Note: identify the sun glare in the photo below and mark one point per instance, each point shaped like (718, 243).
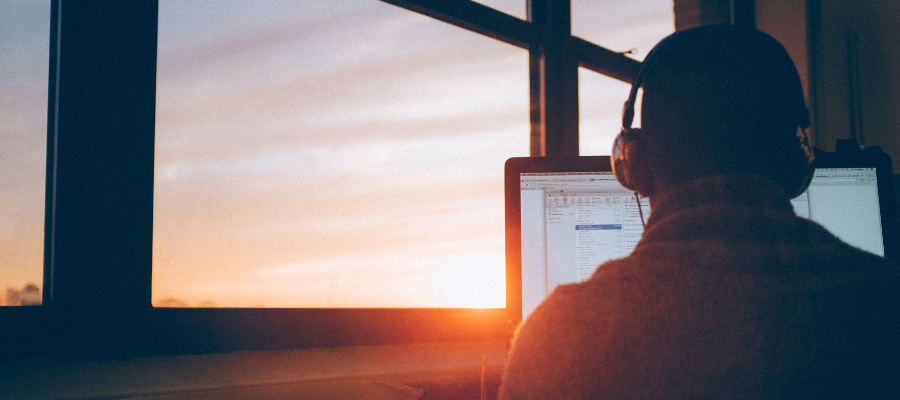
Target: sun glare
(477, 281)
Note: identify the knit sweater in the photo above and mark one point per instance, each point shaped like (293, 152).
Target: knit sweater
(728, 294)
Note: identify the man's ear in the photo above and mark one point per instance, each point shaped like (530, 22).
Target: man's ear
(640, 172)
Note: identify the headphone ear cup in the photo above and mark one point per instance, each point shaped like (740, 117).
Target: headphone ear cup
(619, 157)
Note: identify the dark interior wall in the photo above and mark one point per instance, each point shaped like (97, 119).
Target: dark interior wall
(856, 64)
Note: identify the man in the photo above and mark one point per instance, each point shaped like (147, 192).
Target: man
(728, 294)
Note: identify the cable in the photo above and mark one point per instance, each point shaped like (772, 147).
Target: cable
(640, 210)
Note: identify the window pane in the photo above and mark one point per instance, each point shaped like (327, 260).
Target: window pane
(618, 26)
(331, 154)
(623, 25)
(24, 62)
(600, 100)
(516, 8)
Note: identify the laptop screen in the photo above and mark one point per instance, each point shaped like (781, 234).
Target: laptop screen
(571, 223)
(845, 201)
(572, 219)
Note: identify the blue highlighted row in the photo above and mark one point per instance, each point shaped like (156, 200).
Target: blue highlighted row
(597, 227)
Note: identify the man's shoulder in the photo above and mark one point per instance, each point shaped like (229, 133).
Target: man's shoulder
(552, 349)
(581, 311)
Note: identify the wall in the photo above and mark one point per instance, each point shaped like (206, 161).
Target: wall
(846, 50)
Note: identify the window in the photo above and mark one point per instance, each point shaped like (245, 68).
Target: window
(103, 123)
(24, 45)
(633, 27)
(331, 154)
(623, 26)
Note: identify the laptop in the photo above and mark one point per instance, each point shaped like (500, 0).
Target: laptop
(565, 216)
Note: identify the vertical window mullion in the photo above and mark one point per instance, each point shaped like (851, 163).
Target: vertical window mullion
(556, 120)
(100, 184)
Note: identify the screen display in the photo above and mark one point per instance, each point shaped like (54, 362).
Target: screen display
(571, 222)
(845, 201)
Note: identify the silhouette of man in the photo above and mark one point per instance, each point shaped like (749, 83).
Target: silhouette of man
(728, 294)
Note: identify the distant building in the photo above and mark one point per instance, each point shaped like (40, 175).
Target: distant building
(12, 297)
(171, 302)
(30, 295)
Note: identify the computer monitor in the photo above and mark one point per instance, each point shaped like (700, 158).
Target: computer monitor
(565, 216)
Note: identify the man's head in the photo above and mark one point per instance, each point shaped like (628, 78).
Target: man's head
(717, 99)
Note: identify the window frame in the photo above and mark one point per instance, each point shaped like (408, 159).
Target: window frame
(99, 193)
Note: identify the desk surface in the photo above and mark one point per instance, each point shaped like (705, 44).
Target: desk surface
(412, 371)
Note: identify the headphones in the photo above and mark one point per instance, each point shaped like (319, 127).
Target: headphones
(624, 141)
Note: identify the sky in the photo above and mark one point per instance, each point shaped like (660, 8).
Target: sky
(24, 60)
(323, 154)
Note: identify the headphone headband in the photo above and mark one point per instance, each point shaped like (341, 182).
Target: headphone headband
(764, 46)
